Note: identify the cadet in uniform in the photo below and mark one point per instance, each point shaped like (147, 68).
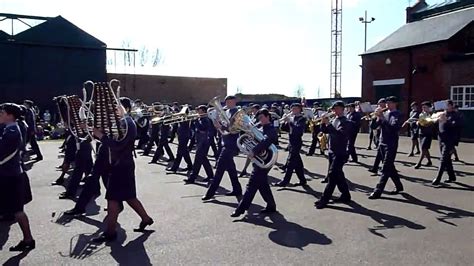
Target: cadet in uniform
(259, 177)
(426, 136)
(447, 124)
(226, 157)
(202, 135)
(121, 183)
(354, 117)
(294, 162)
(163, 145)
(14, 191)
(376, 135)
(413, 129)
(390, 125)
(184, 134)
(339, 131)
(30, 118)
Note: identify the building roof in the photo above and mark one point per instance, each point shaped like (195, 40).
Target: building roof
(439, 8)
(4, 35)
(59, 32)
(429, 30)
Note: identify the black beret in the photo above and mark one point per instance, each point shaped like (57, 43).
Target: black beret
(338, 104)
(256, 106)
(392, 99)
(263, 111)
(126, 102)
(296, 105)
(351, 105)
(202, 107)
(427, 103)
(414, 104)
(381, 100)
(12, 109)
(229, 97)
(30, 102)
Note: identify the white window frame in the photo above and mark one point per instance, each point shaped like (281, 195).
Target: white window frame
(463, 101)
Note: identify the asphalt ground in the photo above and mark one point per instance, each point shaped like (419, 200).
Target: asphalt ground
(424, 225)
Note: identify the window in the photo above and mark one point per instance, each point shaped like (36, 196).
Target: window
(463, 96)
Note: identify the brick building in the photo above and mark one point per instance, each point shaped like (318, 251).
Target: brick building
(168, 89)
(431, 57)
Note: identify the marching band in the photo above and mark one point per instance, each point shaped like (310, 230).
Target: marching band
(115, 123)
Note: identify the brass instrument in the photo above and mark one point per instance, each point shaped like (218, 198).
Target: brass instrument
(251, 138)
(318, 120)
(323, 141)
(62, 107)
(104, 108)
(220, 116)
(373, 114)
(426, 120)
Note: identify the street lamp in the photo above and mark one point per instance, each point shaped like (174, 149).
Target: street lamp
(365, 21)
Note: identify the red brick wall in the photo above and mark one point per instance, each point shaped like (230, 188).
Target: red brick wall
(428, 83)
(167, 89)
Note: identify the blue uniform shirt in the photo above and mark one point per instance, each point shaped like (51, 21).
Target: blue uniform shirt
(10, 147)
(338, 130)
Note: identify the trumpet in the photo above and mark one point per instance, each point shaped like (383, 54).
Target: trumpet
(286, 117)
(373, 114)
(318, 120)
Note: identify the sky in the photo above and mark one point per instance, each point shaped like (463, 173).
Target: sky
(260, 46)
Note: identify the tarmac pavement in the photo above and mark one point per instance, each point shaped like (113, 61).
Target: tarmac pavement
(422, 226)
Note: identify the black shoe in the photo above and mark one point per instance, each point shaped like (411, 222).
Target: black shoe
(280, 184)
(301, 184)
(65, 195)
(206, 197)
(268, 211)
(189, 168)
(188, 181)
(104, 238)
(429, 163)
(232, 193)
(417, 166)
(24, 246)
(153, 162)
(242, 174)
(170, 160)
(143, 225)
(418, 152)
(206, 179)
(74, 212)
(411, 155)
(372, 170)
(321, 204)
(309, 154)
(435, 182)
(342, 200)
(395, 191)
(171, 170)
(374, 195)
(58, 182)
(236, 214)
(449, 180)
(369, 148)
(325, 180)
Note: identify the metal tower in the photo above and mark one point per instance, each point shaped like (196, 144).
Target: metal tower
(336, 48)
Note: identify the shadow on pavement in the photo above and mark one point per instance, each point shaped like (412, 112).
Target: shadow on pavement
(386, 221)
(286, 233)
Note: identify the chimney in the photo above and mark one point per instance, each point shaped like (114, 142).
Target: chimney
(420, 4)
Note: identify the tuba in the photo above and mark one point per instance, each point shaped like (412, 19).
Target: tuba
(104, 109)
(218, 115)
(251, 138)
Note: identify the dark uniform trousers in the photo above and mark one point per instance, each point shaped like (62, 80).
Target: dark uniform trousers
(92, 183)
(163, 146)
(212, 142)
(336, 177)
(83, 166)
(183, 152)
(200, 159)
(258, 181)
(314, 141)
(31, 138)
(389, 153)
(225, 163)
(378, 159)
(351, 146)
(154, 139)
(446, 161)
(294, 163)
